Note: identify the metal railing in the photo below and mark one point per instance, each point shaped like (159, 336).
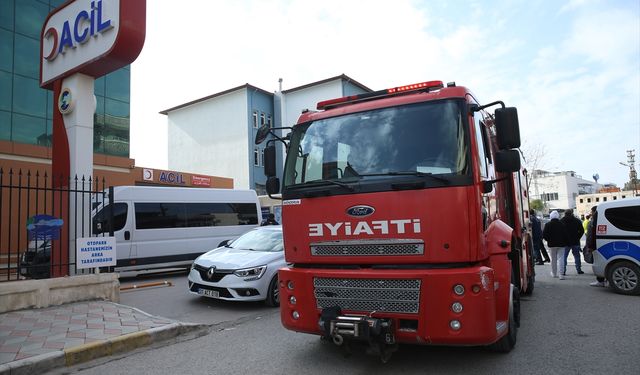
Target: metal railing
(40, 218)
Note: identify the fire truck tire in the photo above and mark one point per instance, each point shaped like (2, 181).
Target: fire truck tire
(273, 294)
(531, 280)
(508, 341)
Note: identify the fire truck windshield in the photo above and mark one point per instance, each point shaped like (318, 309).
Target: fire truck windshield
(412, 141)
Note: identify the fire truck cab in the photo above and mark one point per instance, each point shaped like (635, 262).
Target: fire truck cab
(405, 217)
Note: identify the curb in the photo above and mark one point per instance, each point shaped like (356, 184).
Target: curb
(87, 352)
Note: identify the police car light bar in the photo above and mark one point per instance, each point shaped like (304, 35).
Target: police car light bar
(423, 86)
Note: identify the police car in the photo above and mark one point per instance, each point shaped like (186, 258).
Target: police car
(617, 255)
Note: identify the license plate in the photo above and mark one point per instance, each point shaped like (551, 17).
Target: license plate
(209, 293)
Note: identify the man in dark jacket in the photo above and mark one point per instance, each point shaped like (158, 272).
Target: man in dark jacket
(556, 236)
(536, 236)
(575, 230)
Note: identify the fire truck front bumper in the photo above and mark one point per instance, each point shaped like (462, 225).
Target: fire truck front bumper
(460, 306)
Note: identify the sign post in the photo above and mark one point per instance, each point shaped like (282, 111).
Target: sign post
(80, 41)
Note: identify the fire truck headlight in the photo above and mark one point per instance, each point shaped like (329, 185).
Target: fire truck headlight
(456, 307)
(475, 288)
(290, 285)
(293, 300)
(458, 289)
(455, 325)
(295, 315)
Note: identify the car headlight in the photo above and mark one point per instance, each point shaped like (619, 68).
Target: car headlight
(250, 274)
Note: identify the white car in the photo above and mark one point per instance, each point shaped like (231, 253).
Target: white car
(245, 269)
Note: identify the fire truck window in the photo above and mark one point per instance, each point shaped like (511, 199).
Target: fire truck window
(424, 137)
(482, 158)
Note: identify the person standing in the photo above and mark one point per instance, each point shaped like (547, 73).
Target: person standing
(536, 236)
(575, 230)
(591, 244)
(556, 236)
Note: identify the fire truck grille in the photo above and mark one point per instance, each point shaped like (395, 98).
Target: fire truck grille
(368, 295)
(368, 248)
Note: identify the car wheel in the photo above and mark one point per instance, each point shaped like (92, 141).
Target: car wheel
(273, 295)
(624, 278)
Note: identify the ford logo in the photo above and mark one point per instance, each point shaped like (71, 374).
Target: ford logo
(360, 211)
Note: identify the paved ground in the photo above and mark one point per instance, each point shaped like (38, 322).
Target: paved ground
(40, 339)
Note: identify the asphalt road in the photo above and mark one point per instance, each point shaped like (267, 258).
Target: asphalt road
(567, 327)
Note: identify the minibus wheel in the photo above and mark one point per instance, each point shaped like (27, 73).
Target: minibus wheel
(624, 277)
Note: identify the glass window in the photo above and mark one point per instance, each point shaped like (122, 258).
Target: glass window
(5, 91)
(6, 14)
(624, 218)
(256, 157)
(410, 140)
(260, 240)
(6, 50)
(28, 97)
(98, 86)
(27, 56)
(481, 148)
(31, 14)
(160, 215)
(116, 128)
(117, 85)
(269, 121)
(57, 3)
(5, 126)
(28, 129)
(102, 220)
(255, 119)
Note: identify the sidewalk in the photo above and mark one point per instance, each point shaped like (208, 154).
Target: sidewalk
(38, 340)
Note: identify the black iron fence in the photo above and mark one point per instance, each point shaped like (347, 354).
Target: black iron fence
(41, 216)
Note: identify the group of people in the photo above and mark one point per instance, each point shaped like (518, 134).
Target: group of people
(563, 237)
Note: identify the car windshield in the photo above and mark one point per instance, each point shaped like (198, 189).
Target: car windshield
(259, 240)
(421, 139)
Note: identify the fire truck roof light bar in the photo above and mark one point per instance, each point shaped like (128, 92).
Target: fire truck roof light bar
(423, 86)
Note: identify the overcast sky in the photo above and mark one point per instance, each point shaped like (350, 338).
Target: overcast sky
(572, 68)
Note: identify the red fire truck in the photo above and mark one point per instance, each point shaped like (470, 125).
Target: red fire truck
(405, 218)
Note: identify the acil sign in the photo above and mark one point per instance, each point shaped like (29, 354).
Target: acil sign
(80, 33)
(171, 178)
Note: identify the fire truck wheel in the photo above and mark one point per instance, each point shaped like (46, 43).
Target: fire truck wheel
(508, 341)
(273, 295)
(531, 280)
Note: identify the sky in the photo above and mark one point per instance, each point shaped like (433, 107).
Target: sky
(572, 68)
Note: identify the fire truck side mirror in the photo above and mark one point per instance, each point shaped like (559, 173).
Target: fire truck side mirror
(273, 185)
(507, 161)
(262, 134)
(507, 128)
(270, 160)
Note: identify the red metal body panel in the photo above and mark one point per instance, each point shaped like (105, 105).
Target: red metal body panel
(478, 319)
(446, 232)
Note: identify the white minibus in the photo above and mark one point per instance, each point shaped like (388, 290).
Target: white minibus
(169, 227)
(617, 234)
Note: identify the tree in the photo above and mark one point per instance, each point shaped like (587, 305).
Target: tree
(533, 158)
(537, 204)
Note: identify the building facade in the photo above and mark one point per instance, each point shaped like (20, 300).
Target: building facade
(585, 202)
(218, 130)
(559, 190)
